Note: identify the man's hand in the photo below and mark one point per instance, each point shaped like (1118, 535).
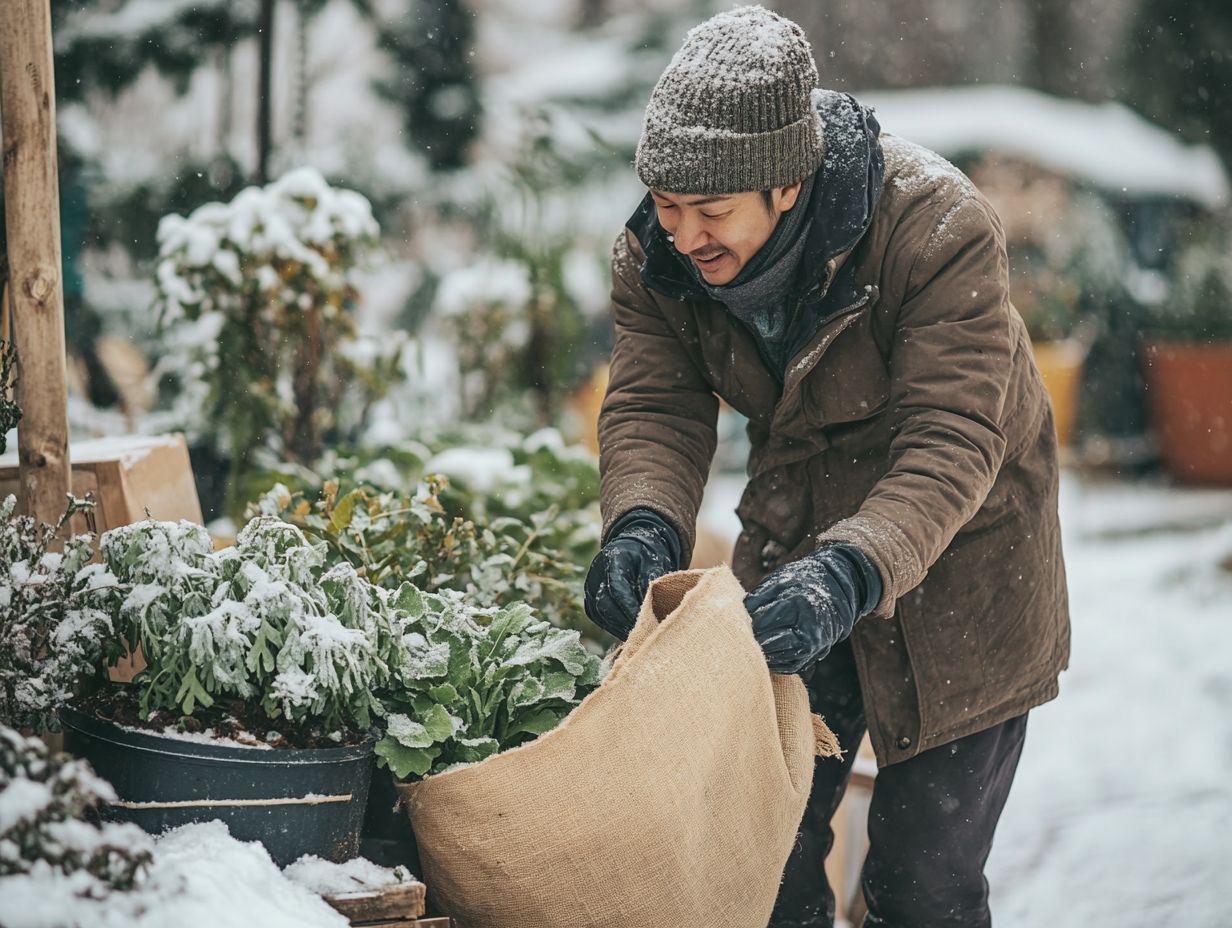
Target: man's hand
(641, 547)
(802, 609)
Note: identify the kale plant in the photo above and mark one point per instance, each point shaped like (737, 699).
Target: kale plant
(55, 636)
(472, 682)
(45, 799)
(264, 620)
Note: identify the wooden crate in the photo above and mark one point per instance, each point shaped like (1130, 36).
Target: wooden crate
(129, 476)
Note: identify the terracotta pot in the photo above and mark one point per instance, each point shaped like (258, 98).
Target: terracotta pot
(1060, 364)
(1189, 392)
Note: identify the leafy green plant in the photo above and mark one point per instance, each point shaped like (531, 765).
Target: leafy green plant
(264, 621)
(1198, 306)
(269, 621)
(45, 798)
(516, 520)
(390, 539)
(55, 637)
(474, 682)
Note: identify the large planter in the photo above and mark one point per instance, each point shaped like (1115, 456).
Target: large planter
(293, 801)
(1189, 394)
(1060, 366)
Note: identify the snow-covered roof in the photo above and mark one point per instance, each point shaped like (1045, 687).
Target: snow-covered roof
(1105, 144)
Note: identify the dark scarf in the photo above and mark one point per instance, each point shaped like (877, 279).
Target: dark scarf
(781, 294)
(759, 295)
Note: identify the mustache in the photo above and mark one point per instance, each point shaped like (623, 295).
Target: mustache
(703, 255)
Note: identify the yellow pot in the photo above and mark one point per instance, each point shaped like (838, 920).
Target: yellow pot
(586, 402)
(1060, 364)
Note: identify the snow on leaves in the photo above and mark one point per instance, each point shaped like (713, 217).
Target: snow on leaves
(263, 619)
(255, 300)
(480, 681)
(53, 634)
(43, 799)
(270, 620)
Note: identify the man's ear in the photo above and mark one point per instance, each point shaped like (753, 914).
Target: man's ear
(785, 197)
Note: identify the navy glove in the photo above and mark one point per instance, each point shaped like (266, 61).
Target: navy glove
(641, 546)
(802, 609)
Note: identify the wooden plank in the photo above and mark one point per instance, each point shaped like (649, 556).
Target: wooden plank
(128, 476)
(32, 222)
(402, 901)
(161, 483)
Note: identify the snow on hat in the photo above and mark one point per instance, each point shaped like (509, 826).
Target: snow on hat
(733, 110)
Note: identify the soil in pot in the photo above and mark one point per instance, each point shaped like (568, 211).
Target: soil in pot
(307, 796)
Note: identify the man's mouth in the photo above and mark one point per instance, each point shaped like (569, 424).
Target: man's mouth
(710, 263)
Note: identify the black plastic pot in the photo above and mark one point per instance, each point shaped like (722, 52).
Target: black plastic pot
(295, 802)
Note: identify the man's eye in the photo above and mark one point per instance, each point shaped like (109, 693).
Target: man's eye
(714, 215)
(665, 205)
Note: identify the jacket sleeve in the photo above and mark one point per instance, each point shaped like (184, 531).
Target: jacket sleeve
(949, 374)
(657, 423)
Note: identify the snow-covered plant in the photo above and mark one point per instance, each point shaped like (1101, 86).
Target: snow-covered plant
(391, 538)
(517, 329)
(255, 299)
(54, 637)
(265, 621)
(1198, 306)
(43, 803)
(472, 682)
(10, 412)
(483, 308)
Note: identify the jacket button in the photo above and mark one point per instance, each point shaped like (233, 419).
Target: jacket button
(904, 742)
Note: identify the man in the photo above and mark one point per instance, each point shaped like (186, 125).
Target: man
(847, 292)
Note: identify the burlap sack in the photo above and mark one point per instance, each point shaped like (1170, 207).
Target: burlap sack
(670, 796)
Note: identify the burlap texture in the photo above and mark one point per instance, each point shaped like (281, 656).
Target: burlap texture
(671, 796)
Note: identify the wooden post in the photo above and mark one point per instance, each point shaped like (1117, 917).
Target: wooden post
(265, 83)
(32, 220)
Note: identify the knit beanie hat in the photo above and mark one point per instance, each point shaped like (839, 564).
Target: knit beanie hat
(733, 111)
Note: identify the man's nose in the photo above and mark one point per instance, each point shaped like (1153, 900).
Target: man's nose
(689, 236)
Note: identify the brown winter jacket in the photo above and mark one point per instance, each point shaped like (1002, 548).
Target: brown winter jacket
(913, 424)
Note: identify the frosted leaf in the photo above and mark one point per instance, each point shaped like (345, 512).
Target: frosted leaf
(564, 647)
(408, 732)
(423, 661)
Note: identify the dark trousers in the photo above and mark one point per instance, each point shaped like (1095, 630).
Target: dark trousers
(931, 820)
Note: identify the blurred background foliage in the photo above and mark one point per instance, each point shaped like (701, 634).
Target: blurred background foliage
(494, 139)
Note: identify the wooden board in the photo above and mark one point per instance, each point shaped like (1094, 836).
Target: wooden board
(400, 902)
(129, 476)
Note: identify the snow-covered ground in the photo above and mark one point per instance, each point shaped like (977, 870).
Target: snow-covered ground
(1121, 814)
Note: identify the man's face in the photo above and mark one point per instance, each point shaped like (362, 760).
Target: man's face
(719, 234)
